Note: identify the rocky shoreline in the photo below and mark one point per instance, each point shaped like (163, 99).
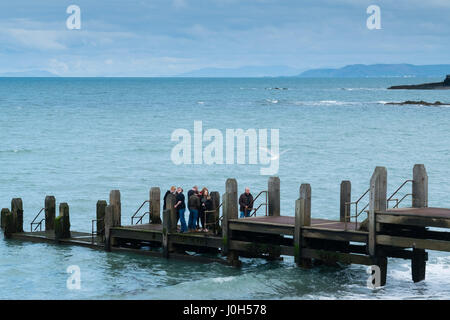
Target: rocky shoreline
(444, 85)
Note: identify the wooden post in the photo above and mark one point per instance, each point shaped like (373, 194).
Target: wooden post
(4, 212)
(273, 189)
(17, 212)
(109, 223)
(100, 216)
(165, 232)
(170, 203)
(155, 205)
(224, 249)
(214, 217)
(50, 212)
(305, 193)
(230, 212)
(114, 201)
(302, 218)
(419, 200)
(420, 187)
(378, 192)
(62, 222)
(9, 224)
(232, 198)
(346, 197)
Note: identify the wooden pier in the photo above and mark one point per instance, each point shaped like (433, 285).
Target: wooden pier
(366, 234)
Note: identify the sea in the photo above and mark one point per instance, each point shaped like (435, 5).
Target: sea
(79, 138)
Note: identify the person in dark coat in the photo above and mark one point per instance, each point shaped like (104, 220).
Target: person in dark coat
(245, 203)
(206, 205)
(194, 207)
(172, 190)
(180, 206)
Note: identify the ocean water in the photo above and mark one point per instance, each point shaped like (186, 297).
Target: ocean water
(77, 139)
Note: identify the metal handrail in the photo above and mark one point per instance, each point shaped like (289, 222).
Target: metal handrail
(348, 216)
(262, 204)
(137, 211)
(96, 232)
(397, 201)
(140, 217)
(395, 192)
(38, 224)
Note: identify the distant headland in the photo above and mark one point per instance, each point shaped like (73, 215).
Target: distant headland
(444, 85)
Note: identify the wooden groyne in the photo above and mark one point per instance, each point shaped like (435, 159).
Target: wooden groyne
(367, 231)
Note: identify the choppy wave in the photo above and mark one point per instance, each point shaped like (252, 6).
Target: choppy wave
(16, 150)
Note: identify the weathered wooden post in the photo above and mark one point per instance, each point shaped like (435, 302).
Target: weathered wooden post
(302, 218)
(50, 212)
(62, 222)
(10, 227)
(165, 232)
(213, 217)
(224, 249)
(114, 201)
(17, 212)
(155, 205)
(230, 212)
(170, 203)
(419, 200)
(378, 193)
(4, 212)
(100, 216)
(420, 187)
(346, 197)
(273, 190)
(109, 223)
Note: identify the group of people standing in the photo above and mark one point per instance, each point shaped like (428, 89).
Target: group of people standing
(198, 203)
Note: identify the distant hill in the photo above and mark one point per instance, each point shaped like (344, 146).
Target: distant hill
(30, 73)
(379, 70)
(248, 71)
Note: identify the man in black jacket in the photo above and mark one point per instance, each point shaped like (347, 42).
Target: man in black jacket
(245, 203)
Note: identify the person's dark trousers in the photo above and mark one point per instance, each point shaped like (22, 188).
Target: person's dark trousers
(193, 218)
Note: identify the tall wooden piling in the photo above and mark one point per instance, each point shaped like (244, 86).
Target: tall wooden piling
(273, 189)
(230, 211)
(155, 205)
(378, 193)
(346, 197)
(420, 187)
(213, 217)
(419, 200)
(170, 203)
(50, 212)
(114, 201)
(10, 227)
(225, 244)
(378, 202)
(62, 222)
(17, 212)
(302, 218)
(100, 216)
(109, 223)
(4, 212)
(167, 225)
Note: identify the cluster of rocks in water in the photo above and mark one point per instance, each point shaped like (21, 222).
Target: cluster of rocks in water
(421, 102)
(444, 85)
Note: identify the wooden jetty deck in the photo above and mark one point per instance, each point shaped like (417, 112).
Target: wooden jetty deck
(366, 235)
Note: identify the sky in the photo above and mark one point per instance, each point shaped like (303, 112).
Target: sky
(170, 37)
